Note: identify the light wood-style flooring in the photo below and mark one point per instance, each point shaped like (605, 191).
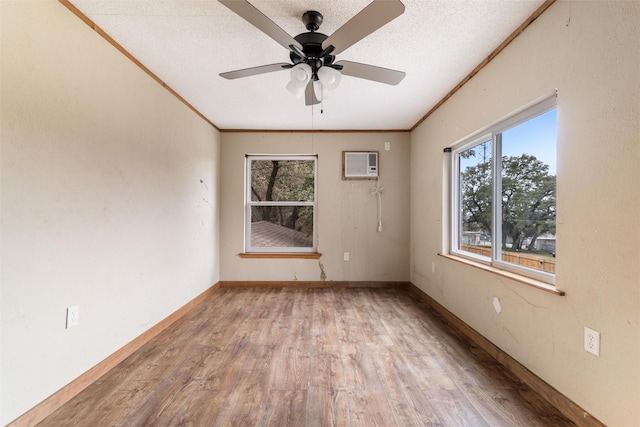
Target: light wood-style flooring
(308, 357)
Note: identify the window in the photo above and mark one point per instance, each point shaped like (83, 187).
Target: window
(504, 194)
(280, 204)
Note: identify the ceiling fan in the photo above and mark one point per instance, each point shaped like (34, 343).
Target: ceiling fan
(313, 69)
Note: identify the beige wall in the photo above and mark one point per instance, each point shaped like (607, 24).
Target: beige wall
(347, 212)
(589, 52)
(109, 201)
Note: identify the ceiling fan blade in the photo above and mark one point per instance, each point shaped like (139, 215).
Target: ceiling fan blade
(237, 74)
(368, 20)
(259, 20)
(310, 95)
(371, 72)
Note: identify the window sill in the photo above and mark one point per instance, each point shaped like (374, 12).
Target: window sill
(293, 255)
(513, 276)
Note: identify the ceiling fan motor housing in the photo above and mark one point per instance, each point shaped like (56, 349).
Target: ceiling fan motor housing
(311, 42)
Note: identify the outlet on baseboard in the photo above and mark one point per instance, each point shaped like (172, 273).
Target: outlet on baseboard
(592, 341)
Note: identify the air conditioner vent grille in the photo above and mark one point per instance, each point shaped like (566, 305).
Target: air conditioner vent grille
(360, 165)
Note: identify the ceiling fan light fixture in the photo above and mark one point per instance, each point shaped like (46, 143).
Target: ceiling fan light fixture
(321, 91)
(328, 80)
(312, 54)
(295, 90)
(329, 77)
(300, 75)
(299, 78)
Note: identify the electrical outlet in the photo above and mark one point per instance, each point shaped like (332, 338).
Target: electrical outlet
(433, 268)
(72, 316)
(592, 341)
(346, 256)
(387, 146)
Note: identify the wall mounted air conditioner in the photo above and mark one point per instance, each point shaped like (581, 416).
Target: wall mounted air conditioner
(359, 165)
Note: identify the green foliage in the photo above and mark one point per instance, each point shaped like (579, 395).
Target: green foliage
(284, 181)
(528, 199)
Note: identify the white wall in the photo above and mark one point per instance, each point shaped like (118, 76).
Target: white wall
(109, 200)
(347, 212)
(589, 52)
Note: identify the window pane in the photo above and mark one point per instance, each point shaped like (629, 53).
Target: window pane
(475, 199)
(281, 226)
(529, 193)
(282, 180)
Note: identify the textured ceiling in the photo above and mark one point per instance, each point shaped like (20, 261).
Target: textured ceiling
(188, 43)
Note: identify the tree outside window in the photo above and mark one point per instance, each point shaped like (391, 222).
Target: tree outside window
(506, 193)
(280, 200)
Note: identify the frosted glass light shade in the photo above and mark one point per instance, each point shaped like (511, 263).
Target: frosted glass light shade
(300, 74)
(329, 77)
(321, 92)
(295, 89)
(299, 77)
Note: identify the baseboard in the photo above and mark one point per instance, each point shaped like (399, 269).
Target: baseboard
(312, 284)
(571, 410)
(66, 393)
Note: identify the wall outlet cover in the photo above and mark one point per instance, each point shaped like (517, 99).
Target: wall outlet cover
(73, 316)
(592, 341)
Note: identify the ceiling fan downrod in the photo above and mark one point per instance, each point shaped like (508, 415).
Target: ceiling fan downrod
(312, 20)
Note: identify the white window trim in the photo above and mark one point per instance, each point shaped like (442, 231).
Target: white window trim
(492, 133)
(248, 204)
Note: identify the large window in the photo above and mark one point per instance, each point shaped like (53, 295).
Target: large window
(280, 204)
(504, 194)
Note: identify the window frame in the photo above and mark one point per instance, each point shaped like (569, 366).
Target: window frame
(493, 134)
(249, 204)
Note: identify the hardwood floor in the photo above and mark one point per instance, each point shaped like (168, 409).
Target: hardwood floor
(308, 357)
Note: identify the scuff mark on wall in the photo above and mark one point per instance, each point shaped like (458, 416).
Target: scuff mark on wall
(323, 275)
(207, 189)
(507, 287)
(508, 332)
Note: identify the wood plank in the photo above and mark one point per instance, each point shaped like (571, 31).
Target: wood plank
(408, 403)
(290, 369)
(326, 407)
(301, 255)
(309, 357)
(324, 329)
(369, 408)
(285, 408)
